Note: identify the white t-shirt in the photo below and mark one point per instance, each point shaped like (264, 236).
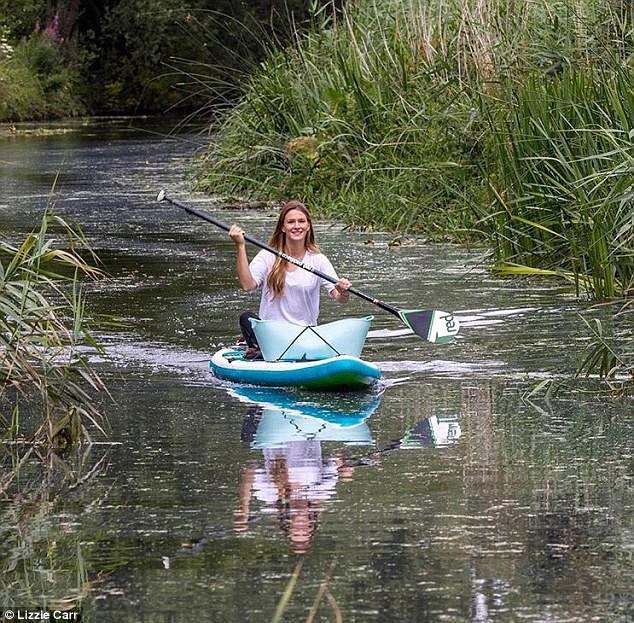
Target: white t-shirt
(299, 302)
(310, 477)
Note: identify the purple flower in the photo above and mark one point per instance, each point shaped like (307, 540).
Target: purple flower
(52, 28)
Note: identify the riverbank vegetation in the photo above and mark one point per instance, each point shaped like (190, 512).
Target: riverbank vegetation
(503, 123)
(36, 82)
(47, 385)
(65, 58)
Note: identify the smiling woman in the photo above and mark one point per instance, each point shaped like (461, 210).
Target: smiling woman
(435, 326)
(288, 294)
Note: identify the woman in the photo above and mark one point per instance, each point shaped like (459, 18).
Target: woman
(288, 292)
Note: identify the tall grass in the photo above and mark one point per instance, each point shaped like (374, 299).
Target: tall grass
(43, 365)
(47, 394)
(377, 116)
(563, 185)
(353, 121)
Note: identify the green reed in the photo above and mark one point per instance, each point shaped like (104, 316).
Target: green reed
(610, 353)
(562, 187)
(43, 338)
(377, 116)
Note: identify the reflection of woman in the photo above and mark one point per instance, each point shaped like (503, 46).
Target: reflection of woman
(288, 292)
(292, 484)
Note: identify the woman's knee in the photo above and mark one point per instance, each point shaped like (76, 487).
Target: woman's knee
(246, 316)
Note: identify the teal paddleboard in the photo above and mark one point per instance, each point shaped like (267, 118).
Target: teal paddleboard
(341, 372)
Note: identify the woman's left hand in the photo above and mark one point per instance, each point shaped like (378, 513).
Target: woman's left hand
(342, 286)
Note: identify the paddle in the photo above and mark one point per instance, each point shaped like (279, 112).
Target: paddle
(435, 326)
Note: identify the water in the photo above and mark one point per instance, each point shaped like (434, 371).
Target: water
(444, 494)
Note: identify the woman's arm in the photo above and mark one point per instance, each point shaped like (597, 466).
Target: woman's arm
(247, 282)
(340, 292)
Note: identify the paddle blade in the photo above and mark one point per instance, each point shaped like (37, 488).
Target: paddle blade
(435, 326)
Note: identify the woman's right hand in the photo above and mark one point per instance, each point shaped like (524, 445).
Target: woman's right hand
(236, 233)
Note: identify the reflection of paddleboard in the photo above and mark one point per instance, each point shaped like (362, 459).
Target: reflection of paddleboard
(432, 432)
(291, 416)
(277, 428)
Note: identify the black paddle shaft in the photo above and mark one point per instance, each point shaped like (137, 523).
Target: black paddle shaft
(162, 196)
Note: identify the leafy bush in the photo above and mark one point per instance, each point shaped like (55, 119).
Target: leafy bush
(21, 95)
(39, 82)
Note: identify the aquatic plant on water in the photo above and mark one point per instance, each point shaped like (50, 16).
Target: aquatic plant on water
(47, 385)
(610, 353)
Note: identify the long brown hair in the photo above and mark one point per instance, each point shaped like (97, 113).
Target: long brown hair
(277, 276)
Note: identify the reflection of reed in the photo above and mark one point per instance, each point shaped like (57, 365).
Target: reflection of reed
(477, 422)
(486, 514)
(323, 592)
(43, 559)
(544, 502)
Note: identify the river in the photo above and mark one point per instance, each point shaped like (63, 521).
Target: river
(450, 492)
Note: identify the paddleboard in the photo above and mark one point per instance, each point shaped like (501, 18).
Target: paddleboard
(341, 372)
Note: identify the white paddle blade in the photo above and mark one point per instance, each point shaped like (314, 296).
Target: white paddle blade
(445, 327)
(437, 327)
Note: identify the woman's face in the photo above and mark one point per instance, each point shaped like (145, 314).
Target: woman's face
(296, 226)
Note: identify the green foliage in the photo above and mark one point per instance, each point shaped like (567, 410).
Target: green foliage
(39, 82)
(142, 55)
(20, 92)
(563, 184)
(395, 99)
(21, 17)
(159, 55)
(42, 333)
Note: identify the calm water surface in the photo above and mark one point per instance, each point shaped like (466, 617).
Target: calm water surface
(442, 495)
